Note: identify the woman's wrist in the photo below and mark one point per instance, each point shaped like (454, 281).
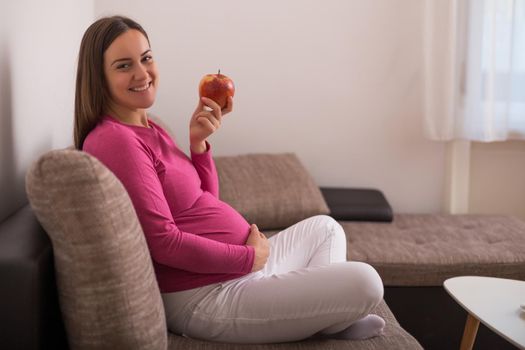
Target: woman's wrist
(198, 147)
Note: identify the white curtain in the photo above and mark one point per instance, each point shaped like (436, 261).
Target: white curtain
(474, 69)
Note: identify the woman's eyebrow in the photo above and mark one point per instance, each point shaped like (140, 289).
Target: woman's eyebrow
(129, 59)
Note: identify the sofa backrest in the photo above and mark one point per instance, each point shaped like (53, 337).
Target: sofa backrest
(108, 294)
(273, 191)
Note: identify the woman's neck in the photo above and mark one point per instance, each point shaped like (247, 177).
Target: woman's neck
(136, 117)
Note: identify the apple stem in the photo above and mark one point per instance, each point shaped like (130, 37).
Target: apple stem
(219, 71)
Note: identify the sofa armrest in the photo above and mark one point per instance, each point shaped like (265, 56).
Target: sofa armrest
(30, 317)
(357, 204)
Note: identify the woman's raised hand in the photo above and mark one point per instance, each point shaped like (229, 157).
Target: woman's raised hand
(205, 121)
(262, 248)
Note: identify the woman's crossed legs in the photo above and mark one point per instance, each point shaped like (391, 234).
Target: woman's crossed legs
(307, 288)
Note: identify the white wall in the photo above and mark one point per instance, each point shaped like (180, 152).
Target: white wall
(39, 42)
(337, 82)
(497, 173)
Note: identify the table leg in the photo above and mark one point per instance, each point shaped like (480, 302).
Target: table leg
(469, 334)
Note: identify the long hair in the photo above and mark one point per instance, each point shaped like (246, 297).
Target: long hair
(92, 94)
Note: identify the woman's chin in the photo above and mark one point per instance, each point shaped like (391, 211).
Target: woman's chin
(146, 103)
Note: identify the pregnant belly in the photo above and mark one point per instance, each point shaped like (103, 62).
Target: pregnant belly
(214, 219)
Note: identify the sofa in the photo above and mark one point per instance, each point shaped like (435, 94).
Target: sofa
(65, 277)
(81, 273)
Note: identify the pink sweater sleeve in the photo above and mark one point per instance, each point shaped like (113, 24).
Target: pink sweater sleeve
(203, 163)
(132, 162)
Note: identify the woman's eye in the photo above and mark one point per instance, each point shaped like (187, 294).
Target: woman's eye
(147, 58)
(123, 66)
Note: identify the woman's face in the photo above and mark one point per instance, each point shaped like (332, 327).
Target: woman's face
(131, 72)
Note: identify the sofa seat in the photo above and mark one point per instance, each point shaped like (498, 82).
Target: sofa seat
(394, 337)
(426, 249)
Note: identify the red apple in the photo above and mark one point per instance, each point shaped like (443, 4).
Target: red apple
(218, 87)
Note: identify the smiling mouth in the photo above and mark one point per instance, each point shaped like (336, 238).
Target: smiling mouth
(140, 88)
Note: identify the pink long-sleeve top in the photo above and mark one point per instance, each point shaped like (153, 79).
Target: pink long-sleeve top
(194, 238)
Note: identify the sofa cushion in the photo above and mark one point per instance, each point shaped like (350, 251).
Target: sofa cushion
(426, 249)
(271, 190)
(357, 204)
(108, 294)
(393, 337)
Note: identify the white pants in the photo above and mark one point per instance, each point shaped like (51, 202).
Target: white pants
(306, 287)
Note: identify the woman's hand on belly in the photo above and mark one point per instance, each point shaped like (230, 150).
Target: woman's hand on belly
(261, 246)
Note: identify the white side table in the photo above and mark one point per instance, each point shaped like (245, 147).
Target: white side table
(493, 301)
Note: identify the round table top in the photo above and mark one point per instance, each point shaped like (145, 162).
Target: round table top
(494, 301)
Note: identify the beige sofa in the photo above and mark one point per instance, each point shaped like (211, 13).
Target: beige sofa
(414, 254)
(107, 291)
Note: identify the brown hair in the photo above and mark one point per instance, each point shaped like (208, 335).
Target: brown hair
(92, 95)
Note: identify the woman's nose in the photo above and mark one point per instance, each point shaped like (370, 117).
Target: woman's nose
(141, 73)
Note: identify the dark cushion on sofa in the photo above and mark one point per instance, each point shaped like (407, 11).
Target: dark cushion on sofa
(357, 204)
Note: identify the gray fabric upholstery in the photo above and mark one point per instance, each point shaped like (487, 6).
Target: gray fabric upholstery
(270, 190)
(108, 294)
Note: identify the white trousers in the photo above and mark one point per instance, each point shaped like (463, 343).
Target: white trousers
(306, 287)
